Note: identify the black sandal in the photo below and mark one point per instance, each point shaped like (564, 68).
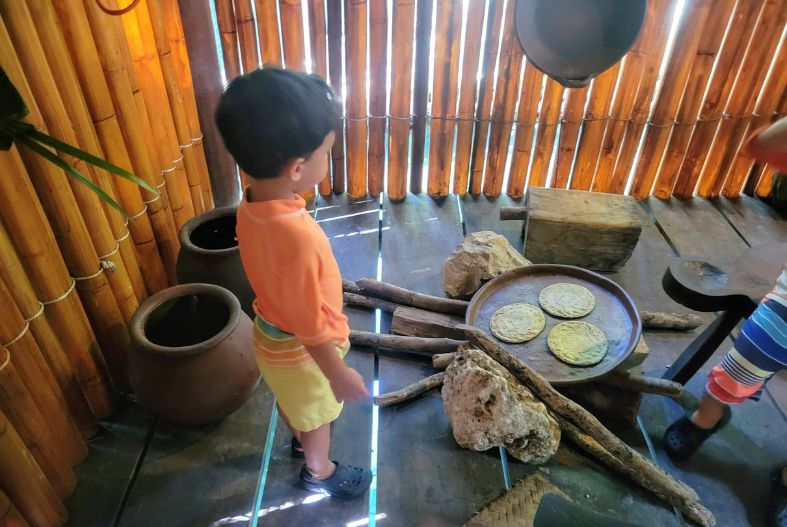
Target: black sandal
(682, 438)
(296, 449)
(346, 482)
(777, 514)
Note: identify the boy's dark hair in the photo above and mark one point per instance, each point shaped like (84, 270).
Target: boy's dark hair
(271, 115)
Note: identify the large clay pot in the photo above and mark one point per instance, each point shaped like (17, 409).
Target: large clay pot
(209, 254)
(192, 358)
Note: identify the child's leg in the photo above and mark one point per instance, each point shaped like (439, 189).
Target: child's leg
(316, 444)
(709, 412)
(286, 420)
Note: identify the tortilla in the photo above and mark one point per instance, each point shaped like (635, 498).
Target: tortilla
(517, 323)
(567, 300)
(577, 343)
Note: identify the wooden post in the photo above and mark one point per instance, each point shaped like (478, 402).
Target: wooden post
(401, 82)
(9, 514)
(378, 75)
(268, 25)
(23, 481)
(423, 35)
(467, 92)
(448, 24)
(680, 63)
(291, 13)
(569, 134)
(135, 126)
(357, 118)
(228, 34)
(317, 36)
(525, 125)
(744, 21)
(335, 54)
(247, 35)
(485, 92)
(545, 136)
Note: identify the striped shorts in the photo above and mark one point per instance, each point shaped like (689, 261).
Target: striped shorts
(759, 351)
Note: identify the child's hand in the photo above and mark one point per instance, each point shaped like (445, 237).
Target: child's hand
(347, 385)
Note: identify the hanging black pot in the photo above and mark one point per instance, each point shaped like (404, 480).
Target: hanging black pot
(573, 41)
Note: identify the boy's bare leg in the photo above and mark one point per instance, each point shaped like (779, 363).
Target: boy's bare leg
(708, 413)
(316, 444)
(286, 420)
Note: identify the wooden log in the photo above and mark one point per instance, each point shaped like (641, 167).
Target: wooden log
(135, 126)
(441, 361)
(670, 321)
(18, 404)
(349, 286)
(467, 93)
(269, 34)
(664, 488)
(448, 24)
(401, 81)
(548, 120)
(9, 514)
(368, 302)
(420, 323)
(574, 413)
(744, 21)
(23, 481)
(513, 213)
(378, 76)
(319, 55)
(503, 106)
(335, 54)
(529, 98)
(485, 93)
(404, 296)
(423, 35)
(643, 384)
(690, 30)
(426, 345)
(357, 119)
(569, 134)
(410, 392)
(693, 93)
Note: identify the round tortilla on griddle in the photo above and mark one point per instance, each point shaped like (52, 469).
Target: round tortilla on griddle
(517, 323)
(567, 300)
(577, 343)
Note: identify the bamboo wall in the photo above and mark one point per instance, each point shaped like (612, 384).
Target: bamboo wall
(629, 131)
(73, 270)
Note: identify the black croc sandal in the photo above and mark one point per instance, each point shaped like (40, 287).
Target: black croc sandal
(777, 514)
(682, 438)
(346, 482)
(296, 449)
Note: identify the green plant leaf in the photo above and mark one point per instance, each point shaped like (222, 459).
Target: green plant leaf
(11, 102)
(89, 158)
(70, 170)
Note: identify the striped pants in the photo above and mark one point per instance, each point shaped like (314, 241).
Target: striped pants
(759, 351)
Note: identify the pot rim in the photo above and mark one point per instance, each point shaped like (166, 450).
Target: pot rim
(200, 219)
(139, 320)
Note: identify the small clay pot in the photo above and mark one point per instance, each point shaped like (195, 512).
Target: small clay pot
(209, 254)
(192, 359)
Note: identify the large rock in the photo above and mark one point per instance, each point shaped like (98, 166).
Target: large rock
(480, 257)
(487, 407)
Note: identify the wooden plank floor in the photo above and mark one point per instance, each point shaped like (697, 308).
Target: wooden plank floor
(209, 476)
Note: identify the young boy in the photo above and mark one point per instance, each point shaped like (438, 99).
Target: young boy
(279, 125)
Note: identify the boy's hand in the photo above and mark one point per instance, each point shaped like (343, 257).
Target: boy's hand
(347, 385)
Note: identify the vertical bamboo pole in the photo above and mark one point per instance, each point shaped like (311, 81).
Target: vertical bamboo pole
(317, 38)
(467, 93)
(641, 109)
(23, 481)
(690, 30)
(134, 124)
(225, 18)
(744, 21)
(148, 68)
(401, 88)
(545, 136)
(742, 99)
(9, 514)
(73, 19)
(707, 50)
(336, 70)
(115, 246)
(448, 25)
(247, 35)
(485, 92)
(378, 77)
(503, 106)
(13, 276)
(530, 95)
(357, 118)
(268, 25)
(18, 404)
(423, 34)
(71, 210)
(35, 373)
(593, 128)
(291, 12)
(177, 42)
(569, 134)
